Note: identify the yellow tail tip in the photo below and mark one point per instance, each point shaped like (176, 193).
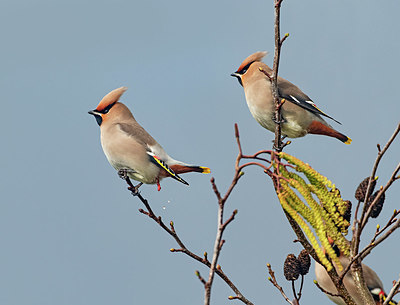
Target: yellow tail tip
(206, 170)
(348, 141)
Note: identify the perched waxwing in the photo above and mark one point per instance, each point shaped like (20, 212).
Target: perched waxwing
(130, 149)
(372, 281)
(300, 115)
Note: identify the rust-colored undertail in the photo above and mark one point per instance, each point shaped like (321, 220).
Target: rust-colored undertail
(319, 128)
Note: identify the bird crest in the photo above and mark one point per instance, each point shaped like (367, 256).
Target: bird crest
(110, 98)
(258, 56)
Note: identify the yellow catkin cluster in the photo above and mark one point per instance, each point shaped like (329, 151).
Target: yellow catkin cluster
(322, 207)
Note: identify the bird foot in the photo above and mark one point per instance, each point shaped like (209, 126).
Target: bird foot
(281, 121)
(123, 173)
(135, 190)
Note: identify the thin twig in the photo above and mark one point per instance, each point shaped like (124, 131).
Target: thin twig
(359, 225)
(171, 231)
(381, 192)
(393, 291)
(218, 239)
(274, 282)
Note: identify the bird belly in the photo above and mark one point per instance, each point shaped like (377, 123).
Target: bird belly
(148, 175)
(139, 168)
(290, 127)
(264, 118)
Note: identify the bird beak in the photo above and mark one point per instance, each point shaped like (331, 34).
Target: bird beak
(97, 116)
(239, 77)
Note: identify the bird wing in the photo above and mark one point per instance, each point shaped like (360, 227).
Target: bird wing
(293, 94)
(137, 132)
(160, 163)
(156, 153)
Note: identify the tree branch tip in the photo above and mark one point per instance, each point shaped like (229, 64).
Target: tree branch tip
(241, 173)
(236, 130)
(379, 147)
(269, 279)
(268, 265)
(171, 223)
(287, 35)
(197, 272)
(232, 297)
(172, 250)
(235, 212)
(219, 267)
(377, 227)
(212, 180)
(315, 282)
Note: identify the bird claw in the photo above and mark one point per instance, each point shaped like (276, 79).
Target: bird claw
(281, 121)
(123, 173)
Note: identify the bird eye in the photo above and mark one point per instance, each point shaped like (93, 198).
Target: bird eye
(105, 111)
(245, 68)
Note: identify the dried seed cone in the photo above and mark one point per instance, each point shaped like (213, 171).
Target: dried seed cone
(305, 262)
(362, 189)
(377, 208)
(291, 268)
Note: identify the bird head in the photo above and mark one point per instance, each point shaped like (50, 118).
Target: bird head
(247, 67)
(106, 104)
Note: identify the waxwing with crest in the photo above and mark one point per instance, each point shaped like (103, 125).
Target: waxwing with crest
(373, 282)
(299, 113)
(130, 149)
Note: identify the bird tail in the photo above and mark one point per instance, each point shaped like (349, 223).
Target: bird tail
(317, 127)
(181, 169)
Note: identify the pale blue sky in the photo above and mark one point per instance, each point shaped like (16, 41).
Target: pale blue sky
(72, 234)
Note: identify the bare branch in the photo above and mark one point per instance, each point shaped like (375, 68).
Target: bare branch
(274, 282)
(395, 289)
(171, 231)
(359, 225)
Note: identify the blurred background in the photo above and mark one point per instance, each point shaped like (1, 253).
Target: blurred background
(70, 231)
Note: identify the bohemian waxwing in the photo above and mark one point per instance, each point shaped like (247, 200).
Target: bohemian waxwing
(372, 280)
(300, 115)
(130, 149)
